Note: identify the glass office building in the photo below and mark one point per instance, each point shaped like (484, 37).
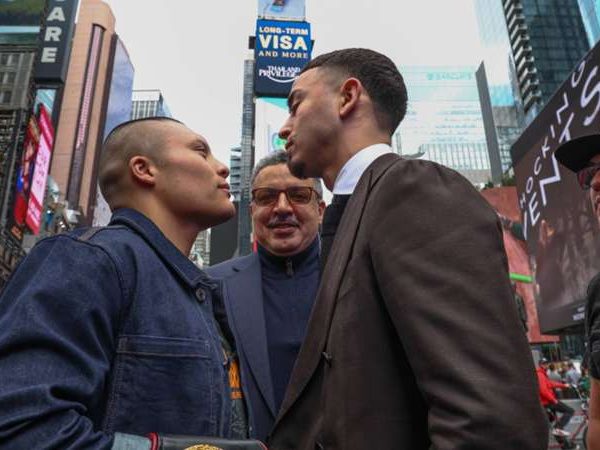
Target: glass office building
(590, 14)
(548, 39)
(443, 122)
(498, 88)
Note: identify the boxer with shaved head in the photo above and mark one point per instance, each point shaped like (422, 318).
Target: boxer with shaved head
(111, 337)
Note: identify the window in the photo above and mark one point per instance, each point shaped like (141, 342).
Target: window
(7, 77)
(7, 59)
(5, 97)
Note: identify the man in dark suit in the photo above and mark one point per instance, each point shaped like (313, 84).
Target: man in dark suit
(269, 294)
(414, 341)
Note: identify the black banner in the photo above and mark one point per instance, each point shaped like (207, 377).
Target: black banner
(562, 233)
(53, 56)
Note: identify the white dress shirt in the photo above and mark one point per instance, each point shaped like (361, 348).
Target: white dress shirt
(348, 177)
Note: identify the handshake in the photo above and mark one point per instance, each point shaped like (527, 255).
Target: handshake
(173, 442)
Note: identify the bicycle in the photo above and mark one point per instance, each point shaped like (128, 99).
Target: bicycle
(578, 424)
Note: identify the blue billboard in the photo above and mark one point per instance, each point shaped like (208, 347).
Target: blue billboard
(282, 9)
(282, 50)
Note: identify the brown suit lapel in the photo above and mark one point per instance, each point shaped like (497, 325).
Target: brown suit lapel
(322, 313)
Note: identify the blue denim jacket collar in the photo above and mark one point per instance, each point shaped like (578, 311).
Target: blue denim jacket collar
(170, 254)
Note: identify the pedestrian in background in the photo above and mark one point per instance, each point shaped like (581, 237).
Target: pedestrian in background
(269, 294)
(582, 156)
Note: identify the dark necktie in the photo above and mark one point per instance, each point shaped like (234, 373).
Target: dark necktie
(331, 220)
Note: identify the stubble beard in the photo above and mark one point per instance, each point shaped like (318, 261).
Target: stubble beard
(297, 168)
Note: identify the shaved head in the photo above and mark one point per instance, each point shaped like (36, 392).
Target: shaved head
(141, 137)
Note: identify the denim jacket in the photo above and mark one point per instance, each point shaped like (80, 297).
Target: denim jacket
(111, 334)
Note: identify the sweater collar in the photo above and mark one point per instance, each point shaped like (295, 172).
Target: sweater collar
(289, 265)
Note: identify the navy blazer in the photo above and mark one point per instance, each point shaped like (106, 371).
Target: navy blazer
(242, 293)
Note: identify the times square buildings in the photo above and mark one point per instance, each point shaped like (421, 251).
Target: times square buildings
(499, 98)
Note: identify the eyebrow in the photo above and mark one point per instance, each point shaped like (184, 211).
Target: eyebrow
(292, 97)
(197, 142)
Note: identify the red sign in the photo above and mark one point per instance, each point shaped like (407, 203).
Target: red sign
(35, 208)
(30, 146)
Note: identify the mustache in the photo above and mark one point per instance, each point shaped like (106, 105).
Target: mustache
(279, 221)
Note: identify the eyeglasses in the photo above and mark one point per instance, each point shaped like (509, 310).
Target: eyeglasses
(586, 175)
(297, 195)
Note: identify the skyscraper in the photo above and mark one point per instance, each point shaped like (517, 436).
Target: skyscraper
(547, 39)
(590, 13)
(499, 94)
(443, 121)
(148, 103)
(247, 160)
(235, 173)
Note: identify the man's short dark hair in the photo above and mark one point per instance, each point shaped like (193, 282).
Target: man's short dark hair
(379, 76)
(126, 140)
(280, 157)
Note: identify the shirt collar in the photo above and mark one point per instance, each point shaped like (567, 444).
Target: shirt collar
(180, 263)
(351, 172)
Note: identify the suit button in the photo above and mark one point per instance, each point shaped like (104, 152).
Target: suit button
(319, 446)
(328, 358)
(200, 295)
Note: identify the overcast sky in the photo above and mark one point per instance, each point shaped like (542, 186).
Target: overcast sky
(193, 50)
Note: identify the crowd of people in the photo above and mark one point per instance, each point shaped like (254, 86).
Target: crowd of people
(384, 321)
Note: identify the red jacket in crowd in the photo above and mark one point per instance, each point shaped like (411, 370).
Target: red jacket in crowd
(547, 386)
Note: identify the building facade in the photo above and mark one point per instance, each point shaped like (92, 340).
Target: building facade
(148, 103)
(547, 38)
(590, 14)
(80, 128)
(499, 94)
(246, 161)
(443, 121)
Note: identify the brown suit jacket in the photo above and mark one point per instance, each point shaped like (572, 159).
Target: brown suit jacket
(414, 341)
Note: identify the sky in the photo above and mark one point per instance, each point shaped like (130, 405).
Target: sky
(193, 50)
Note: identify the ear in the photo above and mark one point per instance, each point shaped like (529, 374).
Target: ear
(350, 93)
(143, 170)
(321, 207)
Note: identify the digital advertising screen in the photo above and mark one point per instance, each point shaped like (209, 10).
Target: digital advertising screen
(25, 171)
(35, 207)
(271, 113)
(23, 13)
(282, 9)
(559, 225)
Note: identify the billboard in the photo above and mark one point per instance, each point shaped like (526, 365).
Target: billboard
(24, 13)
(271, 113)
(35, 207)
(282, 50)
(53, 56)
(282, 9)
(504, 202)
(558, 223)
(25, 173)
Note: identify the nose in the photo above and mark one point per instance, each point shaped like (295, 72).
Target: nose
(221, 168)
(282, 205)
(286, 129)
